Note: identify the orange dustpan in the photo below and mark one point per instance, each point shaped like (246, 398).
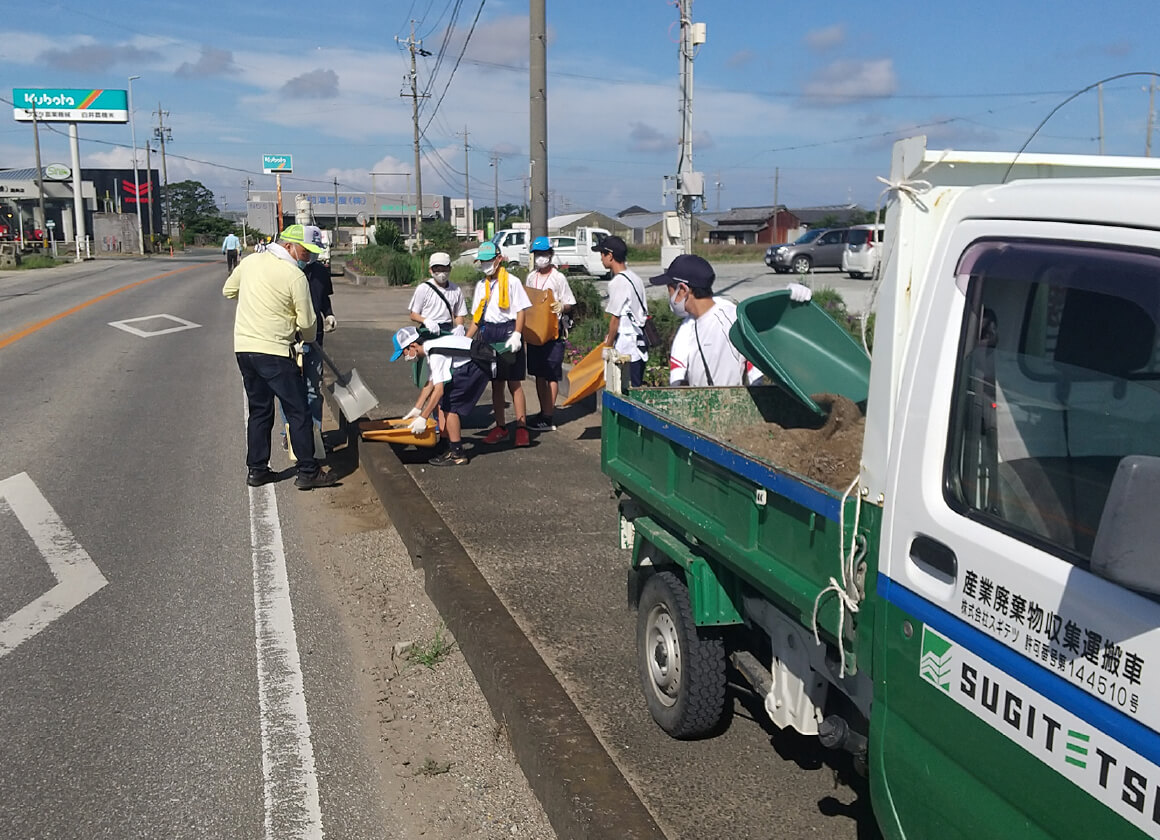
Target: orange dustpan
(586, 377)
(398, 431)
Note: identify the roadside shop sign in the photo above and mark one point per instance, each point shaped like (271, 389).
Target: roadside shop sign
(273, 164)
(70, 105)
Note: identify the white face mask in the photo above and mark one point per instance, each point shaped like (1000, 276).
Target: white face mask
(440, 277)
(489, 267)
(543, 262)
(678, 307)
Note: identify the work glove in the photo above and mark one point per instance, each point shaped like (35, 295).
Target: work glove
(419, 425)
(799, 293)
(557, 307)
(609, 354)
(412, 414)
(329, 323)
(431, 326)
(514, 341)
(299, 348)
(459, 330)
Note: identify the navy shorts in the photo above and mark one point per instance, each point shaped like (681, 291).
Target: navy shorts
(468, 382)
(508, 368)
(547, 360)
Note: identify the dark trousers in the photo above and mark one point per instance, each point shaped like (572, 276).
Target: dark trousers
(231, 260)
(636, 373)
(266, 377)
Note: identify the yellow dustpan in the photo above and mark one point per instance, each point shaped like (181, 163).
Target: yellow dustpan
(586, 377)
(398, 431)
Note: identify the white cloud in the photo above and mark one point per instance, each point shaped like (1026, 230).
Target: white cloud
(827, 38)
(317, 84)
(847, 80)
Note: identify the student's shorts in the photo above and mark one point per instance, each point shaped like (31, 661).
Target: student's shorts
(508, 368)
(468, 382)
(547, 360)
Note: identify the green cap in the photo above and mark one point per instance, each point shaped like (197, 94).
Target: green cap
(297, 233)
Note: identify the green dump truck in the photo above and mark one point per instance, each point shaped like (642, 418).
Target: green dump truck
(956, 580)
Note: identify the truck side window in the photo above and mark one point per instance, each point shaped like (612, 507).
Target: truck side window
(1058, 378)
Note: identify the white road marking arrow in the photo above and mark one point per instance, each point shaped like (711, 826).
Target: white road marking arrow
(77, 576)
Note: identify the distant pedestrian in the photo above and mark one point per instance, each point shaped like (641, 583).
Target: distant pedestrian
(626, 307)
(274, 313)
(702, 354)
(457, 384)
(498, 316)
(231, 247)
(546, 361)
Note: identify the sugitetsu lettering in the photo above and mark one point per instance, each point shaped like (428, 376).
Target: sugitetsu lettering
(1039, 730)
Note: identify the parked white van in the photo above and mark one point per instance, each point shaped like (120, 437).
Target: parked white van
(860, 258)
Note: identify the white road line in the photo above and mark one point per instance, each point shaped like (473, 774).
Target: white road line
(77, 576)
(293, 809)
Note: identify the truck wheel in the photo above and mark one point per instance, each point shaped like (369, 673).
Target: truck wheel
(800, 265)
(682, 667)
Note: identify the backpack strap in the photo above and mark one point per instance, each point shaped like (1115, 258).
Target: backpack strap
(442, 297)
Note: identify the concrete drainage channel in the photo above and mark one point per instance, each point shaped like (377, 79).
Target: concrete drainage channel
(583, 793)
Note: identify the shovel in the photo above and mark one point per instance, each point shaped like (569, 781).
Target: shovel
(354, 397)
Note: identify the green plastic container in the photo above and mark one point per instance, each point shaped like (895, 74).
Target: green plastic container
(802, 348)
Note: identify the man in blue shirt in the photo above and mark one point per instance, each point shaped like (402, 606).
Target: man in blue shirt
(230, 248)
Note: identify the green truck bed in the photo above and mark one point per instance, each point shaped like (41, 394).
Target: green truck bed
(745, 524)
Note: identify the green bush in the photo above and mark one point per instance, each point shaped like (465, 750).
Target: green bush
(588, 303)
(400, 270)
(387, 235)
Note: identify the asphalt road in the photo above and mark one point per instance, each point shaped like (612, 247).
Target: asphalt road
(167, 666)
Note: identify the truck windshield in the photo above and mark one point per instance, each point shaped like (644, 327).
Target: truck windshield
(1058, 379)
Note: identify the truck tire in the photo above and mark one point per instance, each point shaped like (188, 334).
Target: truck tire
(801, 265)
(682, 667)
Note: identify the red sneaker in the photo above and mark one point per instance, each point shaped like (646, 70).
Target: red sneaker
(522, 436)
(496, 435)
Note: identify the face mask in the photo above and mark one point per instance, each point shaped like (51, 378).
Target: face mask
(488, 267)
(678, 307)
(543, 262)
(302, 263)
(440, 277)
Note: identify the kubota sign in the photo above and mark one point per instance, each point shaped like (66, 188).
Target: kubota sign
(70, 105)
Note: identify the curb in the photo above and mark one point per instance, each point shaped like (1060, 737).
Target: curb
(582, 791)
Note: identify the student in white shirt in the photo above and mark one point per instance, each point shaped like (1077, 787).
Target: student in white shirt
(626, 307)
(438, 303)
(702, 354)
(546, 361)
(457, 383)
(497, 314)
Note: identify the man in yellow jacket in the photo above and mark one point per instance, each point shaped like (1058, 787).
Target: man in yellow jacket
(275, 312)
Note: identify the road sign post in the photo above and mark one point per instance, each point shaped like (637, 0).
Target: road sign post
(275, 165)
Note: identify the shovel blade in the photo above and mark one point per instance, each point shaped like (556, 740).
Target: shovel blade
(355, 398)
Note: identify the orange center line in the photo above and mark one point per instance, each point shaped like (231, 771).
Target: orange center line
(39, 325)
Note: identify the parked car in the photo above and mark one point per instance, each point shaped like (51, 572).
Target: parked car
(823, 251)
(808, 236)
(860, 258)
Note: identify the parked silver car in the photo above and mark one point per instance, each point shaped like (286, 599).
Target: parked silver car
(804, 239)
(824, 250)
(860, 259)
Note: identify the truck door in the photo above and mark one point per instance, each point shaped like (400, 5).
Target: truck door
(1015, 688)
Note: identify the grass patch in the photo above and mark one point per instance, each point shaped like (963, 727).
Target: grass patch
(39, 261)
(431, 652)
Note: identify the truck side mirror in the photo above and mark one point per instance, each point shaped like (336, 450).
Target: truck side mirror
(1125, 548)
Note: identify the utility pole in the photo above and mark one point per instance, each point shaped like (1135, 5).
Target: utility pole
(164, 135)
(136, 181)
(1100, 101)
(717, 184)
(1151, 116)
(468, 214)
(495, 217)
(149, 186)
(334, 241)
(40, 178)
(690, 185)
(416, 47)
(538, 118)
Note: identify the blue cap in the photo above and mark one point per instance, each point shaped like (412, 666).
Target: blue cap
(541, 243)
(487, 251)
(403, 339)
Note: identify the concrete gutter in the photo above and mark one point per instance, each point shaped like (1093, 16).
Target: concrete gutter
(583, 792)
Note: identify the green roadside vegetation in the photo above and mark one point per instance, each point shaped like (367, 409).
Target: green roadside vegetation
(38, 261)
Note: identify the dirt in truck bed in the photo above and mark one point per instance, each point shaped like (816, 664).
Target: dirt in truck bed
(829, 455)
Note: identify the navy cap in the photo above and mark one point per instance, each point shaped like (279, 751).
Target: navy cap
(614, 245)
(695, 272)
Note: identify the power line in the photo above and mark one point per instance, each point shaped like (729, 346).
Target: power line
(466, 41)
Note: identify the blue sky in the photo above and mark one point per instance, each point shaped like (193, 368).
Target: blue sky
(813, 96)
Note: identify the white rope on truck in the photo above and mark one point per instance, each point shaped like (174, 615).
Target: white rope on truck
(847, 588)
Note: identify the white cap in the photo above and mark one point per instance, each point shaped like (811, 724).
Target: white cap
(439, 258)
